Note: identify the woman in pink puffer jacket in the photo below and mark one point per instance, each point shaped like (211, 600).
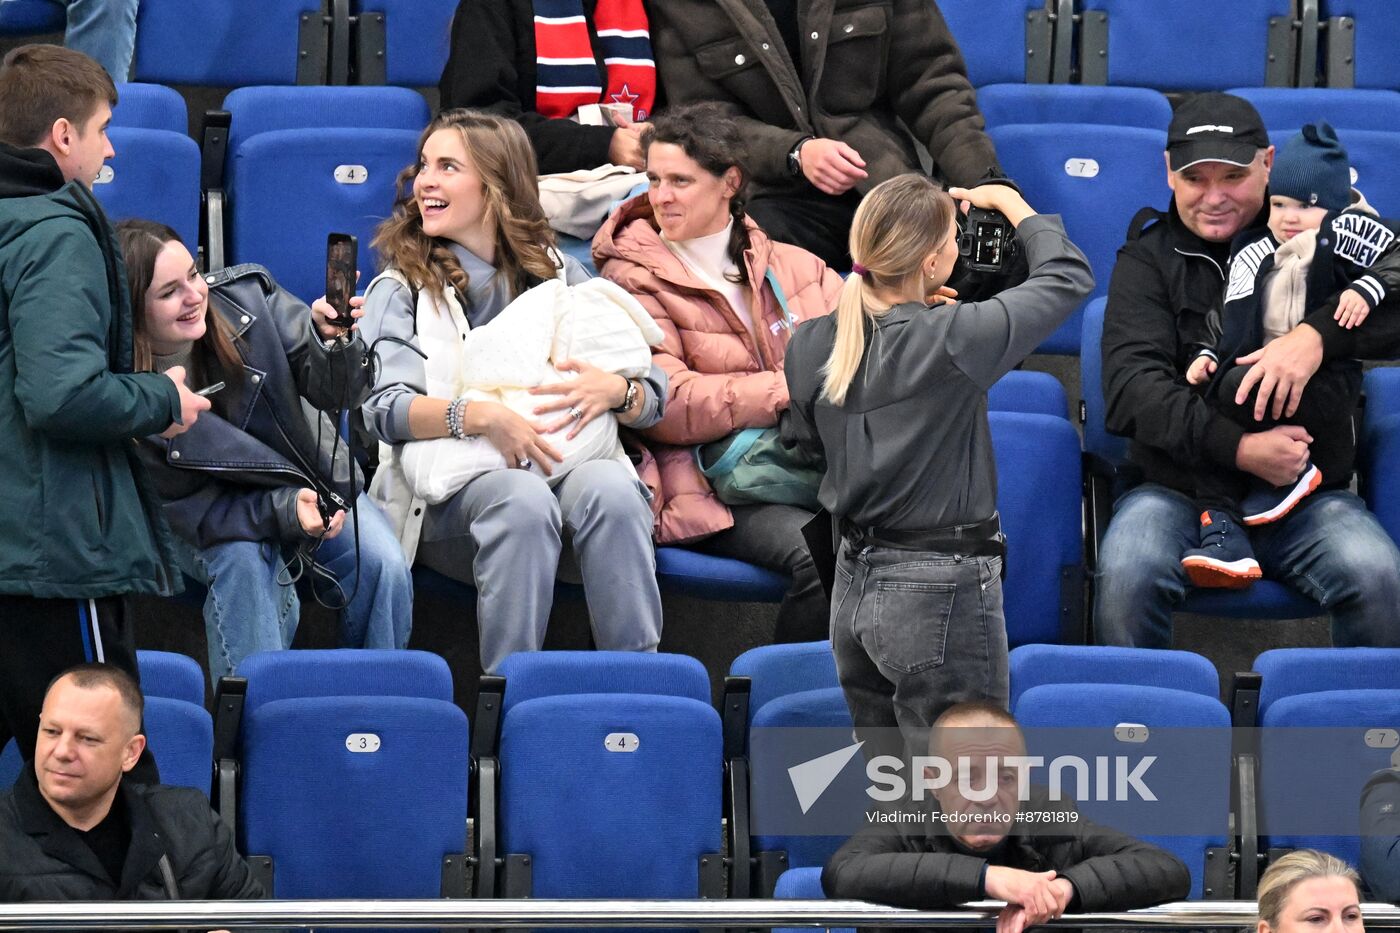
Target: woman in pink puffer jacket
(698, 265)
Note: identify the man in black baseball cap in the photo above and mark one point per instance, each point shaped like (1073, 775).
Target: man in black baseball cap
(1214, 128)
(1169, 281)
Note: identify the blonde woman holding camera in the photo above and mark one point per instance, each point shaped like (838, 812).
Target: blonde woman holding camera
(892, 391)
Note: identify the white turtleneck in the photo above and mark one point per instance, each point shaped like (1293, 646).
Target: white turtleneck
(707, 258)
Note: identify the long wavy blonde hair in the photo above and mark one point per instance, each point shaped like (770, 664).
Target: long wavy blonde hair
(896, 226)
(500, 152)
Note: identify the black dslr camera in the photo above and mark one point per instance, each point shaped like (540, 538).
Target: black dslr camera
(987, 242)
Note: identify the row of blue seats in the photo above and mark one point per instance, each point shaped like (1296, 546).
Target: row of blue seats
(1185, 45)
(604, 774)
(1121, 42)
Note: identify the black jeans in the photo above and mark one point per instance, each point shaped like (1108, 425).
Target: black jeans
(771, 536)
(817, 222)
(915, 632)
(40, 639)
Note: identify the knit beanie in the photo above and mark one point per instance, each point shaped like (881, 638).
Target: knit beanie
(1312, 167)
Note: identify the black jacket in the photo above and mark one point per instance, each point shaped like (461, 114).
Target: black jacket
(872, 73)
(234, 476)
(1380, 844)
(1164, 305)
(46, 860)
(926, 869)
(492, 66)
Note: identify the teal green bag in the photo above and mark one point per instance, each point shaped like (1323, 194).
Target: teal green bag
(753, 466)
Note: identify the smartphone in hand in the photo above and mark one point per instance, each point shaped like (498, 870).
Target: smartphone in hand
(341, 250)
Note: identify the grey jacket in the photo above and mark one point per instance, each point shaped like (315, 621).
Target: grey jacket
(868, 71)
(911, 448)
(235, 474)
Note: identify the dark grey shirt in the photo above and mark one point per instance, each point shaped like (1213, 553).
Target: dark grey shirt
(911, 448)
(400, 378)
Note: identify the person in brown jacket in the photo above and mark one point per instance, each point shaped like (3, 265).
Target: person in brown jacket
(687, 251)
(832, 96)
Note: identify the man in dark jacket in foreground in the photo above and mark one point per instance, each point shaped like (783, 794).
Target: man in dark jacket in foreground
(80, 527)
(980, 850)
(72, 829)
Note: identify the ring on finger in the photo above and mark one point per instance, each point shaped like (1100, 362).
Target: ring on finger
(574, 413)
(524, 463)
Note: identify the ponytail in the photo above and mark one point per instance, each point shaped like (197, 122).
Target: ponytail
(840, 368)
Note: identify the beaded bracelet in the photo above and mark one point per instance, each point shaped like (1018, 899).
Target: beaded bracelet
(455, 413)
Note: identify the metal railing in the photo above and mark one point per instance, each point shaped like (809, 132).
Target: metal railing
(211, 915)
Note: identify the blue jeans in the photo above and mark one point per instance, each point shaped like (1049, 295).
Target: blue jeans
(247, 610)
(104, 30)
(1330, 549)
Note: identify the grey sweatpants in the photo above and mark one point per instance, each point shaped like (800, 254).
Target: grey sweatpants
(504, 531)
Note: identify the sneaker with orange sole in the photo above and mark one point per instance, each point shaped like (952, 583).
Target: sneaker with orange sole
(1265, 504)
(1225, 559)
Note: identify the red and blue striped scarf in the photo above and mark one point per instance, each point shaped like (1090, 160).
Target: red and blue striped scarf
(567, 67)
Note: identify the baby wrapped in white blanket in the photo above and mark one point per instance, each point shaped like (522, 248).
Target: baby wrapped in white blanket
(595, 321)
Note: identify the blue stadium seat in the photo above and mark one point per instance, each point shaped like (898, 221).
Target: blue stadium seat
(25, 17)
(1379, 451)
(1006, 104)
(994, 36)
(1190, 736)
(1317, 751)
(533, 674)
(1036, 665)
(1096, 177)
(255, 110)
(154, 176)
(333, 152)
(356, 796)
(329, 672)
(1382, 387)
(803, 884)
(1032, 393)
(168, 674)
(10, 763)
(1361, 39)
(582, 250)
(403, 42)
(287, 189)
(1038, 495)
(215, 43)
(1291, 672)
(149, 106)
(181, 739)
(1288, 108)
(778, 670)
(1374, 155)
(707, 576)
(780, 829)
(1160, 44)
(611, 795)
(1266, 599)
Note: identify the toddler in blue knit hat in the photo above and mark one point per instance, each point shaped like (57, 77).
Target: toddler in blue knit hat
(1324, 247)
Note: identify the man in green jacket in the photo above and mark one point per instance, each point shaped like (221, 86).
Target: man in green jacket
(80, 526)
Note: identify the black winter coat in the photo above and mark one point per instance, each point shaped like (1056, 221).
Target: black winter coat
(234, 476)
(46, 860)
(871, 74)
(1164, 305)
(926, 869)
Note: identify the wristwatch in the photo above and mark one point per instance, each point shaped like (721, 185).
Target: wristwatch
(629, 401)
(794, 156)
